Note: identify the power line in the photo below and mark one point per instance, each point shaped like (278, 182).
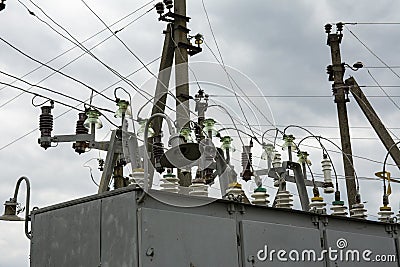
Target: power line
(223, 64)
(296, 96)
(72, 61)
(49, 90)
(388, 96)
(371, 23)
(80, 45)
(51, 68)
(373, 53)
(62, 114)
(115, 72)
(116, 36)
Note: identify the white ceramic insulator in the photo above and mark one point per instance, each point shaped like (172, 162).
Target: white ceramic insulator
(284, 200)
(385, 215)
(260, 198)
(234, 191)
(327, 170)
(198, 189)
(339, 210)
(277, 161)
(170, 184)
(318, 206)
(137, 178)
(358, 211)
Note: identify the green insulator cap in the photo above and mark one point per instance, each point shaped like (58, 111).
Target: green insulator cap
(338, 202)
(260, 189)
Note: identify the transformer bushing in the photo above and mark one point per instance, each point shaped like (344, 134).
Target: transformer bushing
(137, 177)
(284, 199)
(260, 196)
(170, 183)
(318, 205)
(198, 188)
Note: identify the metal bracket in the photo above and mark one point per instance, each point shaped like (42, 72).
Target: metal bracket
(192, 50)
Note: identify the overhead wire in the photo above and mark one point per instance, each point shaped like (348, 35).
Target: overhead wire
(53, 69)
(129, 82)
(72, 48)
(52, 91)
(80, 45)
(223, 64)
(65, 112)
(372, 52)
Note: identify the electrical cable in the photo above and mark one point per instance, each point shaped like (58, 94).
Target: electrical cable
(52, 91)
(72, 48)
(372, 52)
(62, 114)
(116, 36)
(244, 95)
(51, 68)
(76, 42)
(223, 63)
(80, 45)
(371, 111)
(377, 83)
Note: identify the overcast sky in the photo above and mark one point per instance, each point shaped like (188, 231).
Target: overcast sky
(275, 49)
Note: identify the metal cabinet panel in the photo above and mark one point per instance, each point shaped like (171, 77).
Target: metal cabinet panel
(67, 236)
(119, 231)
(171, 239)
(261, 243)
(351, 246)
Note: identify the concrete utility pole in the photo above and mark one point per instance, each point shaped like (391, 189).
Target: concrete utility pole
(164, 76)
(181, 74)
(181, 64)
(374, 120)
(340, 92)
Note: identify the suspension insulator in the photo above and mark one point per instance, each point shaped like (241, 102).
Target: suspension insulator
(160, 8)
(168, 4)
(247, 162)
(81, 146)
(46, 125)
(158, 152)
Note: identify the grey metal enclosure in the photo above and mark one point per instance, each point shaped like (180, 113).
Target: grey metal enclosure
(115, 229)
